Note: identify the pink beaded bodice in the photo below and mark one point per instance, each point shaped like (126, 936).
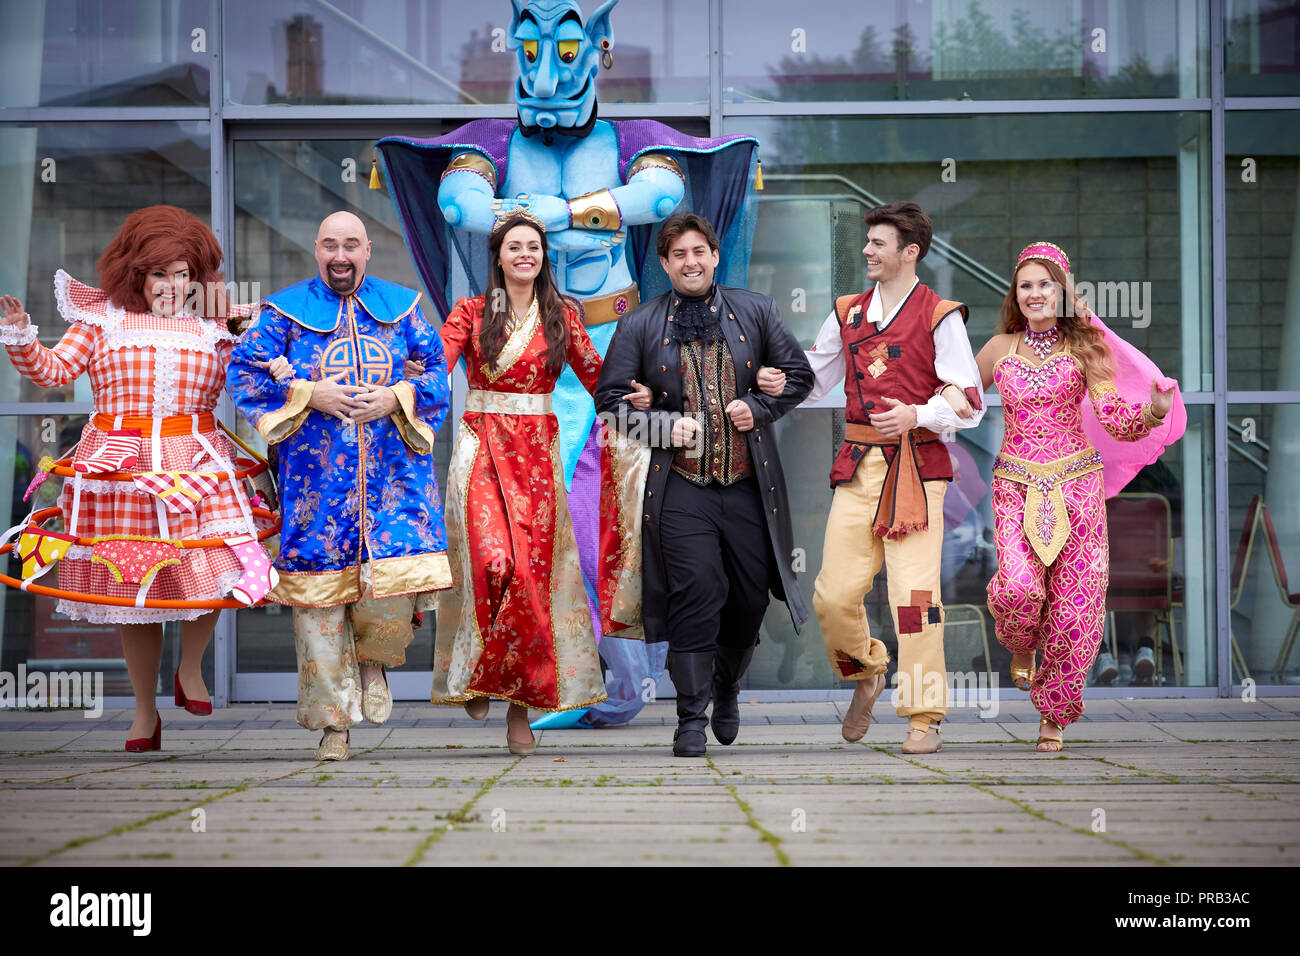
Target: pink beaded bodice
(1042, 407)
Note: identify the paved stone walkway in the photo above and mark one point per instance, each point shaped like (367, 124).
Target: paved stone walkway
(1142, 782)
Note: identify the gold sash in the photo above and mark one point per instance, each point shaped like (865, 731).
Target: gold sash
(1046, 522)
(507, 403)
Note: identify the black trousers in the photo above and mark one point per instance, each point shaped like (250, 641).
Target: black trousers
(718, 562)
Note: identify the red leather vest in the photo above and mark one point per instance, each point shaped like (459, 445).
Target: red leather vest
(896, 363)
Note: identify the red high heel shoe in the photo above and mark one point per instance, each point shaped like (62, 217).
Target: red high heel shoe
(199, 708)
(142, 744)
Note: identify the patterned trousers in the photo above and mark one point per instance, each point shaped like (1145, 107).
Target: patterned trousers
(333, 641)
(851, 559)
(1057, 609)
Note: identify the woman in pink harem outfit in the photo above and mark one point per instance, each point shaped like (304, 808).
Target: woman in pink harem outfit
(1049, 495)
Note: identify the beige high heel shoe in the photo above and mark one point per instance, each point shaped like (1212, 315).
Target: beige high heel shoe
(478, 708)
(517, 747)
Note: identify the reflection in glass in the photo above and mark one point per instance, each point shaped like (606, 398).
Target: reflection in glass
(776, 51)
(70, 53)
(1125, 195)
(65, 190)
(1264, 535)
(1263, 180)
(439, 51)
(1262, 48)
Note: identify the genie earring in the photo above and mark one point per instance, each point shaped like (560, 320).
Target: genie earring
(606, 56)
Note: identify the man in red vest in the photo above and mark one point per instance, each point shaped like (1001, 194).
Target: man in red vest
(897, 347)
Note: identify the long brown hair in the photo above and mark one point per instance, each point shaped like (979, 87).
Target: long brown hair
(155, 237)
(496, 303)
(1083, 338)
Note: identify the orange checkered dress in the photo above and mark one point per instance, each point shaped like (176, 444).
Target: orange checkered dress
(149, 366)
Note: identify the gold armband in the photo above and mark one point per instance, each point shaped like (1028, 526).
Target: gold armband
(475, 163)
(653, 160)
(596, 210)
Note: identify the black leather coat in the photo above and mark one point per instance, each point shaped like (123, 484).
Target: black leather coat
(643, 349)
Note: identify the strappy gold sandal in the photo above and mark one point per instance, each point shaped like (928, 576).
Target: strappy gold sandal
(1022, 677)
(1047, 743)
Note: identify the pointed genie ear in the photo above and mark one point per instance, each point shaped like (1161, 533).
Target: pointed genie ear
(598, 25)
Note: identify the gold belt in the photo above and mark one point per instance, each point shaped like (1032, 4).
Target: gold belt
(606, 308)
(507, 403)
(1046, 522)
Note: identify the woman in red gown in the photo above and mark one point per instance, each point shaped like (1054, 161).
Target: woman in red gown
(516, 624)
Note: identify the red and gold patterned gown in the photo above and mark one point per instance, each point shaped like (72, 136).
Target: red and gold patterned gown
(515, 625)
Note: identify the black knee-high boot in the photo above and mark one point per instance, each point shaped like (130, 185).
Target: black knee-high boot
(728, 667)
(692, 675)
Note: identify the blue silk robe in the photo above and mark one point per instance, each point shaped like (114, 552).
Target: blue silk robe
(349, 494)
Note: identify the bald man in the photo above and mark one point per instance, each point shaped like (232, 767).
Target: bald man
(363, 544)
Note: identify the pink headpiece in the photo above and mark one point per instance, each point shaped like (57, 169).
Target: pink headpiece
(1045, 250)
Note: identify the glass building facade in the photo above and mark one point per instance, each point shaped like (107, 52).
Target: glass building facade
(1157, 141)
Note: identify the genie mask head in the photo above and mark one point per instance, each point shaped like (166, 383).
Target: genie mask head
(558, 61)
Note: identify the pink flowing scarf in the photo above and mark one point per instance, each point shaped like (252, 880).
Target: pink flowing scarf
(1133, 375)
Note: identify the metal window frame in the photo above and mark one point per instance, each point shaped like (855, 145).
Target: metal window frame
(232, 122)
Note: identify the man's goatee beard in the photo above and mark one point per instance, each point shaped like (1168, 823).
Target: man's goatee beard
(341, 285)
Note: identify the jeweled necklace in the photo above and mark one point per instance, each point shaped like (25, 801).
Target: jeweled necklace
(1042, 342)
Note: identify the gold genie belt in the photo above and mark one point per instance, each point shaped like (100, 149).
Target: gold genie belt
(1046, 522)
(606, 308)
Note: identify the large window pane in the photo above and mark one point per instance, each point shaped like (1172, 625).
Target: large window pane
(1263, 177)
(963, 49)
(440, 51)
(65, 190)
(1262, 52)
(1263, 459)
(1125, 195)
(73, 53)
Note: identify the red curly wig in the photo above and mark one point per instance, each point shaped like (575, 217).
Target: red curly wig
(154, 237)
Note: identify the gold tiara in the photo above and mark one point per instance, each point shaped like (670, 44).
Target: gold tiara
(518, 214)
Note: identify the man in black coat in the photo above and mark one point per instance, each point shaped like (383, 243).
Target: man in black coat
(716, 534)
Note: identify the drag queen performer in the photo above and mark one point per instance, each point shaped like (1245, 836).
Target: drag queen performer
(517, 621)
(1072, 391)
(156, 372)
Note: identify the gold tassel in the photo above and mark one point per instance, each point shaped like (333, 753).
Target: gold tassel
(374, 173)
(758, 176)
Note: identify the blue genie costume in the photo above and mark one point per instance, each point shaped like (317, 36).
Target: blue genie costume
(350, 493)
(600, 189)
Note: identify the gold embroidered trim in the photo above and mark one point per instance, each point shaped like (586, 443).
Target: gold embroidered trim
(1046, 521)
(416, 434)
(1149, 416)
(278, 425)
(1103, 388)
(409, 574)
(507, 403)
(318, 588)
(458, 643)
(521, 333)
